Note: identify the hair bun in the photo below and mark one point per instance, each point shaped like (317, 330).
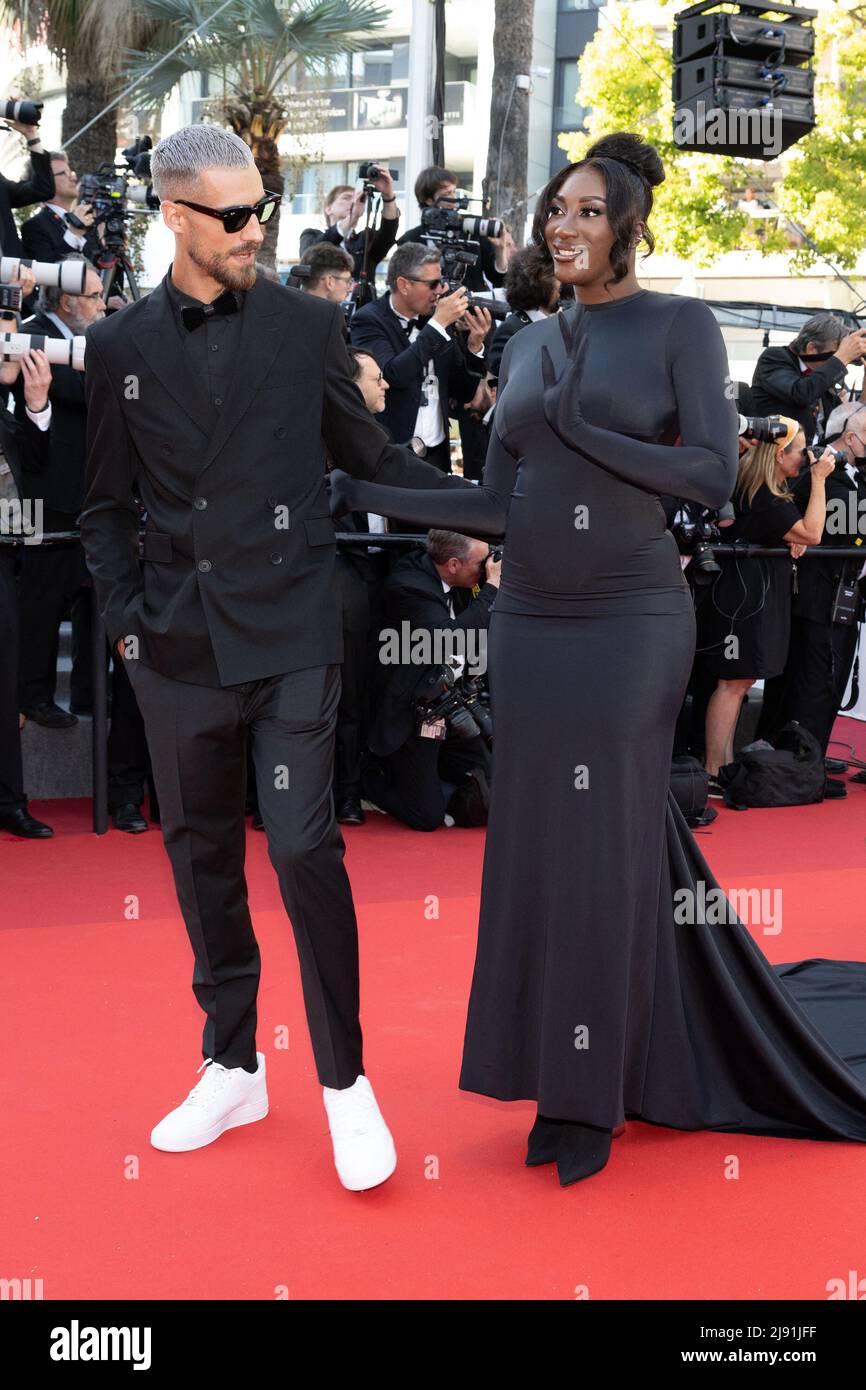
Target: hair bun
(631, 150)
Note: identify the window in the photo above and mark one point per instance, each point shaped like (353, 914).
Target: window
(568, 113)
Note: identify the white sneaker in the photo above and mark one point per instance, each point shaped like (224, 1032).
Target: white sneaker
(364, 1152)
(224, 1098)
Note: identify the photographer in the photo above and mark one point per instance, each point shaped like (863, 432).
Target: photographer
(344, 207)
(331, 272)
(51, 234)
(823, 632)
(804, 379)
(436, 187)
(51, 581)
(532, 292)
(744, 619)
(23, 444)
(429, 772)
(410, 332)
(35, 189)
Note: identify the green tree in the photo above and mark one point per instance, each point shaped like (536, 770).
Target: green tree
(256, 50)
(625, 80)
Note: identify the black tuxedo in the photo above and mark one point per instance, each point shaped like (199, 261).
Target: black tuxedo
(780, 387)
(237, 621)
(24, 445)
(378, 330)
(502, 336)
(42, 237)
(36, 189)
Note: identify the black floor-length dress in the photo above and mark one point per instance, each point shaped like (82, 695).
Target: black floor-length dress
(589, 995)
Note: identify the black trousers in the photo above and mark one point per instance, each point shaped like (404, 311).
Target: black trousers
(53, 582)
(127, 743)
(419, 779)
(11, 782)
(198, 739)
(819, 663)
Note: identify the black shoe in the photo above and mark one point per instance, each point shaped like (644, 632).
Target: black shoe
(543, 1142)
(470, 802)
(50, 716)
(835, 765)
(858, 777)
(349, 811)
(85, 711)
(130, 819)
(21, 823)
(583, 1150)
(833, 790)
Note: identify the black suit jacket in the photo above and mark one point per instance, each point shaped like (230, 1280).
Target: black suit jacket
(61, 483)
(485, 266)
(382, 240)
(413, 593)
(817, 578)
(236, 582)
(503, 334)
(377, 329)
(42, 238)
(27, 448)
(779, 387)
(36, 189)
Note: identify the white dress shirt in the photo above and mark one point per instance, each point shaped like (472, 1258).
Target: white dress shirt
(428, 424)
(70, 236)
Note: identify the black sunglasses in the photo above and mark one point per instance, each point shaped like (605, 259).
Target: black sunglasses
(236, 218)
(422, 280)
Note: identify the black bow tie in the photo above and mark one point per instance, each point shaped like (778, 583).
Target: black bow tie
(193, 315)
(412, 323)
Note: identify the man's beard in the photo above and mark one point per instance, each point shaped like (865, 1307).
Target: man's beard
(233, 274)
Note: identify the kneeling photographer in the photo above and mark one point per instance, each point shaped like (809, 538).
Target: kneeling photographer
(432, 732)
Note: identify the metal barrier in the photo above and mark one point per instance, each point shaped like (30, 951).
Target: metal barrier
(346, 539)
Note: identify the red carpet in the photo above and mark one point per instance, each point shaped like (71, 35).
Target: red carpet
(102, 1036)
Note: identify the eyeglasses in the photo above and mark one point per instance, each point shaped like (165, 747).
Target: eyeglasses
(236, 218)
(97, 294)
(420, 280)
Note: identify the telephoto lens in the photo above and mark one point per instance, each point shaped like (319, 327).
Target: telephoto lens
(27, 112)
(61, 352)
(66, 275)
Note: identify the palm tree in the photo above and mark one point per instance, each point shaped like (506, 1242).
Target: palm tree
(508, 150)
(91, 38)
(255, 49)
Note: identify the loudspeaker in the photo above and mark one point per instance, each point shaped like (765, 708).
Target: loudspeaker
(717, 70)
(742, 84)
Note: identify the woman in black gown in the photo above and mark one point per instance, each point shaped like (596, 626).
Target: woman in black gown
(588, 996)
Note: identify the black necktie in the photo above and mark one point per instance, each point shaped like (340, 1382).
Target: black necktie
(194, 315)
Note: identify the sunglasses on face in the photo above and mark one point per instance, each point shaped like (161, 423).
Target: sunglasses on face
(421, 280)
(236, 218)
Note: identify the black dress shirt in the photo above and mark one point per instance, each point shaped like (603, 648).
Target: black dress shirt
(212, 348)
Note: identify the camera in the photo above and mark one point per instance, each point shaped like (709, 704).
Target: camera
(27, 112)
(64, 352)
(496, 308)
(437, 696)
(108, 193)
(457, 225)
(68, 275)
(369, 170)
(10, 298)
(764, 428)
(695, 531)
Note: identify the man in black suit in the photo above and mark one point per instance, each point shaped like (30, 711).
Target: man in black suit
(447, 590)
(54, 580)
(35, 189)
(49, 235)
(23, 443)
(409, 332)
(436, 187)
(821, 651)
(214, 400)
(803, 379)
(344, 208)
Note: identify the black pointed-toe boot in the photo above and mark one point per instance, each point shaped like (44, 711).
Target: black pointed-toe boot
(582, 1151)
(543, 1141)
